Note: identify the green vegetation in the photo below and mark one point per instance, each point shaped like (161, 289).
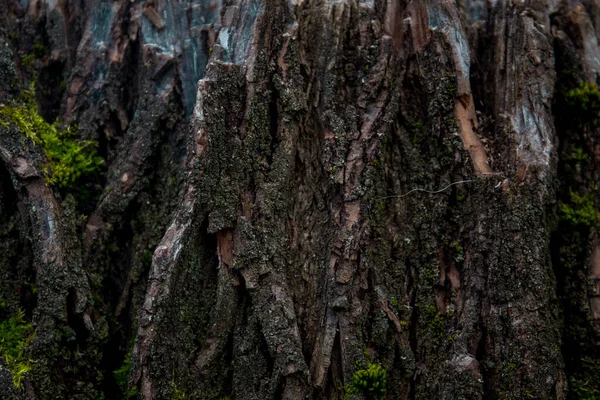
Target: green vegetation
(430, 275)
(37, 52)
(68, 158)
(584, 101)
(581, 211)
(28, 59)
(578, 154)
(122, 378)
(459, 252)
(178, 394)
(434, 321)
(147, 257)
(15, 337)
(588, 387)
(370, 382)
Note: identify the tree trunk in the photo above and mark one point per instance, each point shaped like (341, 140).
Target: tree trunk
(295, 191)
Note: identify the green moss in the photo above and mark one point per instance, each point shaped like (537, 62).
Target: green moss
(15, 337)
(587, 386)
(581, 211)
(38, 50)
(430, 275)
(459, 252)
(27, 60)
(585, 98)
(435, 322)
(578, 154)
(147, 258)
(122, 374)
(122, 378)
(371, 382)
(528, 394)
(68, 158)
(32, 287)
(178, 394)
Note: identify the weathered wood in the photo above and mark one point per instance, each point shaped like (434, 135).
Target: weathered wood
(296, 188)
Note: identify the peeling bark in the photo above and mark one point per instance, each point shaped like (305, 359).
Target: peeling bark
(295, 188)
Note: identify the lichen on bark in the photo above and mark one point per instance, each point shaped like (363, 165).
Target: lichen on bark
(299, 195)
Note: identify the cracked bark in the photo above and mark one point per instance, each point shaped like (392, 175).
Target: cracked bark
(251, 236)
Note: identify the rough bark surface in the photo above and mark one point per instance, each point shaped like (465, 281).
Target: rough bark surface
(295, 189)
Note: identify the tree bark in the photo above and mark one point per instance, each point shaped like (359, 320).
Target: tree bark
(293, 190)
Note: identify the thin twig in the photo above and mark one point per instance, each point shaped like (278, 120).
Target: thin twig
(428, 191)
(438, 191)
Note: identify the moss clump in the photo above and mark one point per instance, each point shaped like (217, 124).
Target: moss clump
(584, 101)
(578, 155)
(430, 275)
(28, 59)
(15, 337)
(178, 394)
(587, 387)
(38, 50)
(581, 211)
(435, 323)
(122, 378)
(68, 157)
(147, 258)
(371, 382)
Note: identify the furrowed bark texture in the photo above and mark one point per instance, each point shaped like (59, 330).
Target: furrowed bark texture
(295, 189)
